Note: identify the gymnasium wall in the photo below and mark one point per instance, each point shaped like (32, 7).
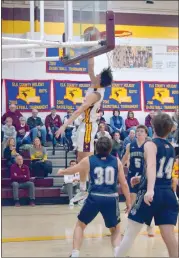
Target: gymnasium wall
(148, 29)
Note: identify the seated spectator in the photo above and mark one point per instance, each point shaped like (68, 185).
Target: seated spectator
(129, 138)
(14, 114)
(36, 127)
(117, 146)
(102, 132)
(53, 122)
(171, 137)
(9, 130)
(69, 129)
(10, 153)
(148, 120)
(101, 116)
(117, 123)
(39, 162)
(20, 177)
(131, 122)
(71, 183)
(23, 133)
(175, 119)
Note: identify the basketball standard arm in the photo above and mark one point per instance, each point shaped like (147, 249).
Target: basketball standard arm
(126, 155)
(81, 167)
(90, 100)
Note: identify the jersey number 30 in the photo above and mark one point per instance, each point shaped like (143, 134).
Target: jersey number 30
(104, 175)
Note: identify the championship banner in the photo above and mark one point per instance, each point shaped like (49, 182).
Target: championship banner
(28, 95)
(59, 67)
(161, 96)
(122, 95)
(69, 94)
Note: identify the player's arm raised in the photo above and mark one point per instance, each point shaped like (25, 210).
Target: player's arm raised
(124, 185)
(81, 167)
(126, 155)
(150, 152)
(90, 100)
(91, 73)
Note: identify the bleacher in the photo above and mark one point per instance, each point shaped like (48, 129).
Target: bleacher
(47, 190)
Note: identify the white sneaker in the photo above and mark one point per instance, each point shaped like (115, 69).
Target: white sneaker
(71, 204)
(151, 231)
(79, 196)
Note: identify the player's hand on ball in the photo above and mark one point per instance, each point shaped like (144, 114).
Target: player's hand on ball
(60, 172)
(148, 197)
(135, 180)
(60, 131)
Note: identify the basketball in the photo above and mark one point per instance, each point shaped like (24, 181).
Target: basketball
(91, 34)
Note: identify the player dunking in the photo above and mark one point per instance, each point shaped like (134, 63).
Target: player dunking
(155, 198)
(104, 171)
(135, 154)
(88, 110)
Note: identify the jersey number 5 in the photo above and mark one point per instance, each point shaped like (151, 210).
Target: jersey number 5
(167, 170)
(104, 175)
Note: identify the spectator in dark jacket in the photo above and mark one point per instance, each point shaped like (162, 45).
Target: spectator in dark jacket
(131, 122)
(23, 133)
(53, 122)
(101, 116)
(14, 114)
(148, 120)
(117, 123)
(36, 126)
(20, 177)
(117, 145)
(10, 153)
(129, 138)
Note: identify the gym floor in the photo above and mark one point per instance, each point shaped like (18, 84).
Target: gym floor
(46, 231)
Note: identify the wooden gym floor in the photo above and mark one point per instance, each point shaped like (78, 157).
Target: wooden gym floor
(46, 231)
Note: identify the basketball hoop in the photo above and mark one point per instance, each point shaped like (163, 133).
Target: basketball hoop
(116, 56)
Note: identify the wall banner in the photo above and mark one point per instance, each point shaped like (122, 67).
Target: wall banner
(122, 95)
(59, 67)
(28, 95)
(161, 96)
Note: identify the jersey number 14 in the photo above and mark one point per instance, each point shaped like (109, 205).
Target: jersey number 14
(167, 170)
(104, 175)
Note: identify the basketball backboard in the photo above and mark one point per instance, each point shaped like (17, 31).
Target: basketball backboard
(91, 22)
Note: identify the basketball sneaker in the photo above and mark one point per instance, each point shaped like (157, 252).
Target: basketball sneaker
(151, 231)
(79, 196)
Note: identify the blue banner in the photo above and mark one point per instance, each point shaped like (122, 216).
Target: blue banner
(122, 95)
(59, 67)
(28, 95)
(161, 95)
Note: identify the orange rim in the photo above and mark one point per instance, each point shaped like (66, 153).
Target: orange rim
(118, 33)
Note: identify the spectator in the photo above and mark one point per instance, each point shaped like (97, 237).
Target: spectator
(20, 177)
(129, 138)
(71, 183)
(101, 116)
(69, 129)
(117, 145)
(117, 123)
(131, 122)
(148, 120)
(9, 131)
(36, 127)
(39, 162)
(172, 135)
(53, 122)
(10, 153)
(23, 133)
(14, 114)
(102, 132)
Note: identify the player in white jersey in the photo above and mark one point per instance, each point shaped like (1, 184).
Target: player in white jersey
(88, 111)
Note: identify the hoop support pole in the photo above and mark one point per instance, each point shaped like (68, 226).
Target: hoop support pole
(31, 59)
